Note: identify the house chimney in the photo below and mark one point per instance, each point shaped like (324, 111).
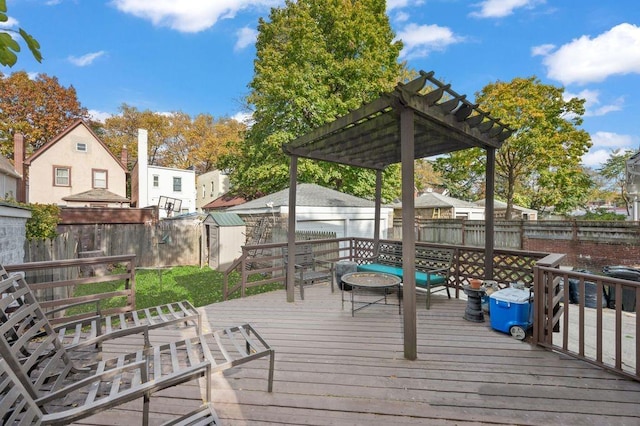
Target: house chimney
(18, 164)
(124, 157)
(143, 166)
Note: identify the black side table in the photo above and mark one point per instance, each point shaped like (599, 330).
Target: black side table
(473, 312)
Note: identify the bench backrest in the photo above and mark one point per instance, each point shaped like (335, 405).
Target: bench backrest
(427, 258)
(304, 256)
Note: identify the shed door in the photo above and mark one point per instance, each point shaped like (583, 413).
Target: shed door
(214, 260)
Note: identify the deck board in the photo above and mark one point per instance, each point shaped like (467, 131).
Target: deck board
(334, 369)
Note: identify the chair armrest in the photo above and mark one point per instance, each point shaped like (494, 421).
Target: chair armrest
(325, 262)
(72, 305)
(61, 393)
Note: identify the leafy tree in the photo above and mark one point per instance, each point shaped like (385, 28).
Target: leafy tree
(40, 109)
(615, 171)
(426, 176)
(174, 140)
(316, 60)
(540, 163)
(9, 47)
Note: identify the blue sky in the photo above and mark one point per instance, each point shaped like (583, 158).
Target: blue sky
(196, 56)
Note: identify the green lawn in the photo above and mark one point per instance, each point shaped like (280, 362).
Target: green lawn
(200, 286)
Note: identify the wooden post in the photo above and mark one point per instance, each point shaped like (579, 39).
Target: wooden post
(377, 214)
(489, 216)
(291, 231)
(407, 149)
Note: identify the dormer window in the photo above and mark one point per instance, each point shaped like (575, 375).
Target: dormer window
(81, 147)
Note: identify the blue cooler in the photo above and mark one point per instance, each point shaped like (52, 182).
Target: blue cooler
(510, 307)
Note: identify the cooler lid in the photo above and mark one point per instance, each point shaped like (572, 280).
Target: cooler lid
(511, 294)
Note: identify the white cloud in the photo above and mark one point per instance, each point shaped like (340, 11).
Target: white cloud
(501, 8)
(246, 37)
(604, 144)
(420, 40)
(542, 50)
(586, 60)
(99, 115)
(595, 159)
(592, 105)
(244, 117)
(401, 17)
(84, 60)
(9, 23)
(188, 16)
(611, 140)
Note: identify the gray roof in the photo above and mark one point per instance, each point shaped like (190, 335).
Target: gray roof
(307, 194)
(435, 200)
(97, 195)
(7, 168)
(226, 219)
(497, 204)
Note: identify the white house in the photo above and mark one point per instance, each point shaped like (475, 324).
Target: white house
(161, 186)
(210, 186)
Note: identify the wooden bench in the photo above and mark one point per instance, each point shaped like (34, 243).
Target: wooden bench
(308, 269)
(433, 266)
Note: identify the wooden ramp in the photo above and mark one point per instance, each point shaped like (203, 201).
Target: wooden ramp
(334, 369)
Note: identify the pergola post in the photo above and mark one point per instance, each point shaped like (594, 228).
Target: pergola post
(291, 233)
(407, 142)
(378, 207)
(489, 216)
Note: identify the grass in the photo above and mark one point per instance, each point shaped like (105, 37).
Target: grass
(200, 286)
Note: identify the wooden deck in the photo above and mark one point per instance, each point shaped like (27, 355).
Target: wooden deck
(335, 369)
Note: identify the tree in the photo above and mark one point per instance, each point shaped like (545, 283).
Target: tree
(316, 60)
(615, 171)
(40, 109)
(539, 165)
(174, 140)
(9, 47)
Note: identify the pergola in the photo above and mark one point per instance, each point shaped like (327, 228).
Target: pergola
(400, 127)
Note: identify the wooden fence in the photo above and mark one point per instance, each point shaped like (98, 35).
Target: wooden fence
(169, 243)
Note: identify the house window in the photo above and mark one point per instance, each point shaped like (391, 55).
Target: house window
(99, 178)
(156, 181)
(212, 188)
(177, 184)
(204, 193)
(81, 147)
(61, 176)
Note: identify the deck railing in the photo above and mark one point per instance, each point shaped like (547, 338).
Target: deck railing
(264, 262)
(54, 284)
(607, 338)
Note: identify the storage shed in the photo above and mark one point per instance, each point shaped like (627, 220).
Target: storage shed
(223, 236)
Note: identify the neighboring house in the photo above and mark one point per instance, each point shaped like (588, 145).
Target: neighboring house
(76, 169)
(633, 184)
(173, 190)
(318, 209)
(432, 205)
(9, 179)
(223, 202)
(210, 186)
(517, 212)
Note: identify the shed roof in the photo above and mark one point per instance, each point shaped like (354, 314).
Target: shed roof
(224, 219)
(369, 136)
(6, 168)
(434, 199)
